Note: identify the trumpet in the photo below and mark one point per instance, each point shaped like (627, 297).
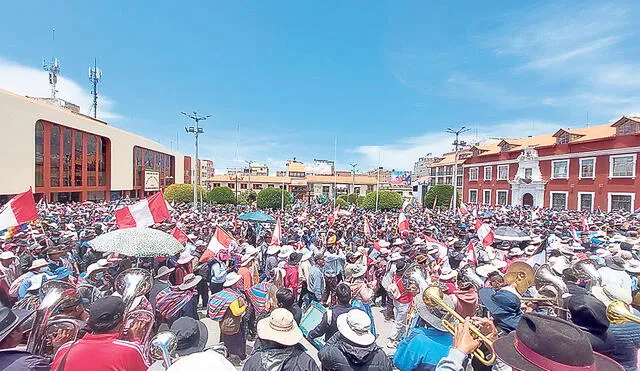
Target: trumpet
(432, 296)
(618, 313)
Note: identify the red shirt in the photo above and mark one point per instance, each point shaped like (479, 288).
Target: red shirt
(405, 296)
(102, 352)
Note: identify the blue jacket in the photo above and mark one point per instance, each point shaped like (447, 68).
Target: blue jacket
(422, 349)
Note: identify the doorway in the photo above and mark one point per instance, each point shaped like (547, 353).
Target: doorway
(527, 199)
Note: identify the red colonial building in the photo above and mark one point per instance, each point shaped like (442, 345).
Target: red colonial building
(578, 169)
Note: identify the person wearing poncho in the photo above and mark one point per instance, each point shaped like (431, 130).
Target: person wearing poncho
(228, 308)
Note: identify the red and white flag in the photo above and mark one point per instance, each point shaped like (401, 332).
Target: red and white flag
(276, 236)
(143, 213)
(19, 210)
(367, 228)
(485, 233)
(471, 253)
(403, 223)
(220, 240)
(463, 210)
(331, 219)
(585, 225)
(574, 234)
(179, 235)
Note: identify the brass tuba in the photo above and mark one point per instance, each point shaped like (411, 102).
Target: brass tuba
(586, 269)
(162, 346)
(469, 275)
(55, 294)
(418, 278)
(618, 313)
(552, 286)
(133, 283)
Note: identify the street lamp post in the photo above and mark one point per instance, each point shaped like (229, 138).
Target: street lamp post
(240, 178)
(249, 162)
(353, 177)
(456, 143)
(196, 130)
(378, 187)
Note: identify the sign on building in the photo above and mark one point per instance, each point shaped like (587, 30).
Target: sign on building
(400, 178)
(151, 180)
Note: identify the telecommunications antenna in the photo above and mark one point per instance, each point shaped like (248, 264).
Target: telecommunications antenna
(95, 75)
(53, 68)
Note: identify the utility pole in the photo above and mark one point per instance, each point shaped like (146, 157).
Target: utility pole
(95, 75)
(249, 162)
(456, 143)
(353, 177)
(378, 187)
(196, 130)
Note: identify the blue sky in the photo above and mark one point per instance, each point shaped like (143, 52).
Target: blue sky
(385, 78)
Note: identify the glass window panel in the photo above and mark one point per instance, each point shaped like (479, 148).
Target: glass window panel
(138, 166)
(560, 169)
(559, 201)
(39, 154)
(586, 168)
(102, 164)
(54, 148)
(91, 160)
(473, 196)
(66, 164)
(78, 164)
(623, 166)
(586, 200)
(621, 202)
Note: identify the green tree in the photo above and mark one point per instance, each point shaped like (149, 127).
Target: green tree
(342, 203)
(360, 201)
(387, 200)
(247, 197)
(443, 192)
(352, 198)
(221, 195)
(271, 198)
(182, 193)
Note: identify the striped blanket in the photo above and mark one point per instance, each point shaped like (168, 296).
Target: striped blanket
(257, 295)
(220, 301)
(170, 300)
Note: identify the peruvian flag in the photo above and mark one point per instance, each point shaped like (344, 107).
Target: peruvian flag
(276, 236)
(574, 234)
(367, 228)
(585, 225)
(220, 240)
(403, 223)
(331, 219)
(462, 210)
(485, 233)
(19, 210)
(534, 214)
(471, 253)
(179, 235)
(144, 213)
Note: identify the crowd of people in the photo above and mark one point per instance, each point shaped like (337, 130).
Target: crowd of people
(474, 288)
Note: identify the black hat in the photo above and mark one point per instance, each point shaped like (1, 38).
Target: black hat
(543, 343)
(106, 313)
(192, 335)
(10, 319)
(402, 266)
(587, 312)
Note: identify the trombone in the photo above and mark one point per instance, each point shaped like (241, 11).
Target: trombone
(432, 296)
(618, 313)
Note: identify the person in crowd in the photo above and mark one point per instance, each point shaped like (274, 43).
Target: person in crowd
(304, 271)
(101, 349)
(328, 324)
(291, 278)
(160, 282)
(183, 267)
(334, 260)
(178, 301)
(286, 300)
(280, 345)
(353, 347)
(8, 269)
(316, 282)
(12, 357)
(401, 302)
(361, 292)
(219, 270)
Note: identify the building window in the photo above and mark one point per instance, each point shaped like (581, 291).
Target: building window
(630, 127)
(560, 169)
(528, 173)
(486, 197)
(621, 201)
(325, 190)
(459, 182)
(563, 138)
(501, 197)
(91, 160)
(487, 172)
(243, 186)
(257, 186)
(558, 200)
(54, 157)
(67, 140)
(78, 144)
(356, 190)
(585, 201)
(587, 168)
(503, 172)
(473, 174)
(39, 154)
(473, 195)
(146, 159)
(270, 186)
(623, 166)
(231, 185)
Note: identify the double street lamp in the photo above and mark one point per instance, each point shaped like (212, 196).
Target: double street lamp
(196, 130)
(456, 143)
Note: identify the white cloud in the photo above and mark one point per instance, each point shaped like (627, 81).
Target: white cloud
(402, 154)
(34, 82)
(465, 86)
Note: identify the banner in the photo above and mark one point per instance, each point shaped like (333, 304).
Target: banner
(151, 180)
(400, 178)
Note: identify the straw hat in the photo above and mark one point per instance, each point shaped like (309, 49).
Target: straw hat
(516, 251)
(232, 278)
(632, 266)
(7, 255)
(609, 293)
(285, 251)
(190, 280)
(94, 268)
(484, 270)
(358, 270)
(306, 254)
(398, 242)
(383, 243)
(184, 257)
(246, 259)
(395, 257)
(280, 327)
(355, 325)
(272, 250)
(447, 273)
(384, 251)
(38, 263)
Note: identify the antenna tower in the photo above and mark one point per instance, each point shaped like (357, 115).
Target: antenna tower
(53, 68)
(95, 75)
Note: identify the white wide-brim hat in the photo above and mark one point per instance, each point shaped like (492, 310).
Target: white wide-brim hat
(383, 243)
(448, 274)
(395, 256)
(246, 259)
(280, 327)
(609, 293)
(273, 249)
(484, 270)
(355, 325)
(185, 257)
(232, 278)
(285, 251)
